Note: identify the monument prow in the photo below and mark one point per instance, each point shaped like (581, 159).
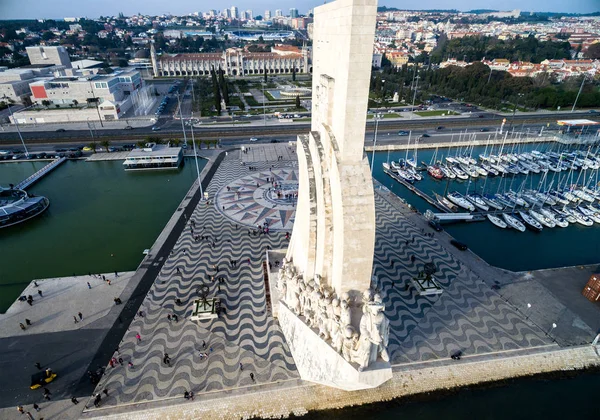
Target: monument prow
(333, 322)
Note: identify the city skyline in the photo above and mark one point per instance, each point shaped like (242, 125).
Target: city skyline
(58, 9)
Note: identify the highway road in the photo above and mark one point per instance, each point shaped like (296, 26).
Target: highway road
(171, 128)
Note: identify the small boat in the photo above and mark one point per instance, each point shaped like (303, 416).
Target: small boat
(564, 214)
(445, 202)
(530, 221)
(461, 201)
(492, 202)
(517, 199)
(497, 221)
(580, 218)
(469, 170)
(558, 220)
(513, 222)
(478, 201)
(416, 175)
(459, 173)
(546, 221)
(405, 175)
(490, 170)
(435, 172)
(583, 195)
(590, 214)
(447, 172)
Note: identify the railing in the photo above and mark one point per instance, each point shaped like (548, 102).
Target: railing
(27, 182)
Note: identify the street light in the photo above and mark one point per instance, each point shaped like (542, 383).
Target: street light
(377, 118)
(18, 129)
(196, 158)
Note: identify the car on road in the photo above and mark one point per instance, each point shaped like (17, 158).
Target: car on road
(61, 130)
(128, 127)
(484, 130)
(440, 127)
(253, 139)
(155, 128)
(274, 141)
(87, 149)
(403, 133)
(425, 135)
(592, 111)
(459, 245)
(435, 225)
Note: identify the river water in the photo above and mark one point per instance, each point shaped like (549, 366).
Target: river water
(100, 219)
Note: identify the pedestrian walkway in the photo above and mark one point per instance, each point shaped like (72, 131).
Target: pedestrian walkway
(62, 299)
(100, 156)
(206, 355)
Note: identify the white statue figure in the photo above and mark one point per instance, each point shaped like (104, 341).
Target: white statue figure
(337, 334)
(317, 279)
(302, 295)
(374, 333)
(316, 298)
(345, 313)
(335, 304)
(350, 343)
(293, 294)
(323, 323)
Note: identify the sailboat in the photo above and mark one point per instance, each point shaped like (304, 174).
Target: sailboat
(513, 222)
(460, 201)
(497, 221)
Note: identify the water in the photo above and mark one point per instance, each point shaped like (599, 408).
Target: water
(100, 219)
(505, 248)
(528, 399)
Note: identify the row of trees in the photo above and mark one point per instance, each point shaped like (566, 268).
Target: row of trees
(478, 84)
(474, 48)
(220, 88)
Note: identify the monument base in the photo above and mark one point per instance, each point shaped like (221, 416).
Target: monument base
(318, 362)
(203, 310)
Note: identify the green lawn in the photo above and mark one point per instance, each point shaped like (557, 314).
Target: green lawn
(302, 119)
(435, 113)
(385, 116)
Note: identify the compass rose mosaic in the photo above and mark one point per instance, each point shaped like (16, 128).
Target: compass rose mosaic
(261, 197)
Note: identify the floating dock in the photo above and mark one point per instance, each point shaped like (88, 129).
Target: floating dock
(29, 181)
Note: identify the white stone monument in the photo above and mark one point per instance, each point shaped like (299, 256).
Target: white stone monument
(333, 323)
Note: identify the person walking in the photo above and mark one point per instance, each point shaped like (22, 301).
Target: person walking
(80, 315)
(40, 293)
(116, 274)
(38, 365)
(74, 401)
(138, 337)
(27, 321)
(22, 326)
(130, 365)
(252, 377)
(75, 318)
(36, 407)
(89, 285)
(176, 318)
(105, 391)
(30, 416)
(121, 361)
(241, 367)
(47, 394)
(20, 409)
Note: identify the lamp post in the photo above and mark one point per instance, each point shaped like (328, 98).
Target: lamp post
(552, 327)
(18, 129)
(527, 311)
(377, 117)
(196, 158)
(579, 93)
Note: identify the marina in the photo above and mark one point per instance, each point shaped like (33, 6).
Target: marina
(571, 169)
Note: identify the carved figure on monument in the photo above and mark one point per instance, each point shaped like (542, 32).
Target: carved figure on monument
(337, 334)
(323, 323)
(349, 343)
(374, 333)
(345, 313)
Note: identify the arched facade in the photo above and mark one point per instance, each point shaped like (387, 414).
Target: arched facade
(234, 62)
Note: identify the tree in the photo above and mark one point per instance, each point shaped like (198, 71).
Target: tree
(141, 144)
(265, 74)
(297, 101)
(593, 51)
(293, 74)
(93, 146)
(75, 102)
(46, 102)
(105, 144)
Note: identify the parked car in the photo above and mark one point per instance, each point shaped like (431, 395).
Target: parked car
(459, 245)
(425, 135)
(128, 127)
(435, 225)
(484, 130)
(155, 128)
(253, 139)
(61, 130)
(403, 133)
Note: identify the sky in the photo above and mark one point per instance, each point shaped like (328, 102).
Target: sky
(57, 9)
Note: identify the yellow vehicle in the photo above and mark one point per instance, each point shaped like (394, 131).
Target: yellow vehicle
(87, 149)
(41, 379)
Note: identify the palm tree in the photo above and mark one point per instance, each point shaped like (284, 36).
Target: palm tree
(176, 142)
(93, 146)
(105, 144)
(141, 144)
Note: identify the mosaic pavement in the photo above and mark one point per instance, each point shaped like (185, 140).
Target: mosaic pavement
(246, 334)
(468, 316)
(266, 197)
